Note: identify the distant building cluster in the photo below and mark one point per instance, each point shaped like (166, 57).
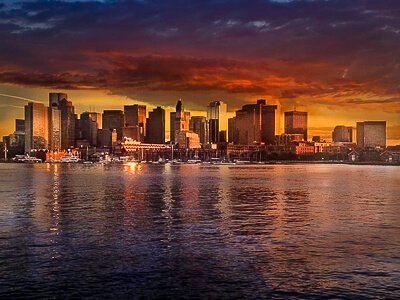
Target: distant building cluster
(255, 128)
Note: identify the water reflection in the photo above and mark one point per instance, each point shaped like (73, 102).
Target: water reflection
(156, 231)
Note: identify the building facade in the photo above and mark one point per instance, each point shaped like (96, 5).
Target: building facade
(114, 119)
(296, 122)
(371, 134)
(135, 122)
(199, 125)
(36, 127)
(217, 116)
(255, 123)
(156, 126)
(342, 134)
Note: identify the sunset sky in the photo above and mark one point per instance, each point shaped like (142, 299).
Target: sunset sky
(339, 59)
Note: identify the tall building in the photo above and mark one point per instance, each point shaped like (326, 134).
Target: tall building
(135, 122)
(342, 134)
(68, 119)
(114, 119)
(371, 134)
(217, 115)
(179, 120)
(199, 125)
(296, 123)
(156, 126)
(54, 116)
(256, 123)
(271, 123)
(20, 125)
(89, 125)
(36, 127)
(232, 131)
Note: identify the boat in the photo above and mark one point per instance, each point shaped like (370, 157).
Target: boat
(26, 159)
(194, 161)
(70, 159)
(243, 162)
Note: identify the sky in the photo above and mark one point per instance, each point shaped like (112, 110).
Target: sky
(337, 59)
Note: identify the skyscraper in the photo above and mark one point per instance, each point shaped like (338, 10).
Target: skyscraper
(156, 126)
(135, 122)
(54, 116)
(179, 120)
(36, 127)
(114, 119)
(296, 123)
(217, 115)
(89, 125)
(68, 119)
(199, 125)
(371, 134)
(271, 123)
(256, 123)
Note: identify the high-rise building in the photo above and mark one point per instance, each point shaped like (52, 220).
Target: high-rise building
(68, 119)
(179, 120)
(54, 116)
(172, 116)
(104, 138)
(342, 134)
(256, 123)
(89, 126)
(36, 127)
(271, 123)
(114, 119)
(371, 134)
(296, 123)
(199, 125)
(20, 125)
(217, 115)
(156, 126)
(232, 131)
(135, 122)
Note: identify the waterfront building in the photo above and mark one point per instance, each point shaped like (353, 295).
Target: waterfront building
(114, 119)
(371, 134)
(135, 122)
(217, 116)
(296, 122)
(342, 134)
(232, 131)
(62, 122)
(156, 126)
(89, 125)
(199, 125)
(286, 139)
(104, 138)
(179, 120)
(187, 140)
(256, 123)
(36, 127)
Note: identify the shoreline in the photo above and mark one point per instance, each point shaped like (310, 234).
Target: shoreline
(277, 162)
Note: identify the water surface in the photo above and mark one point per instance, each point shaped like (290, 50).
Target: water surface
(293, 231)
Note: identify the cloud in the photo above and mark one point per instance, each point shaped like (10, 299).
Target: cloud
(333, 53)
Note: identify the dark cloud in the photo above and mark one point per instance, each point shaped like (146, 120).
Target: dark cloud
(339, 51)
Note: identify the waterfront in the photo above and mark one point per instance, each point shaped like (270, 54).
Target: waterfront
(208, 231)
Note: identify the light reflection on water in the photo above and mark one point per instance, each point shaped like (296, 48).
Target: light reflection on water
(172, 231)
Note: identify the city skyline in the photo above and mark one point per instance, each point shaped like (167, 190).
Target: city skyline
(334, 59)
